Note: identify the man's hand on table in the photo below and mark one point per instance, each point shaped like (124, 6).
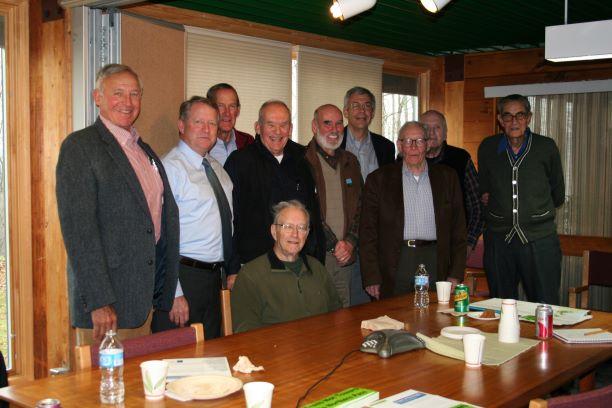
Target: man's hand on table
(104, 319)
(179, 314)
(374, 291)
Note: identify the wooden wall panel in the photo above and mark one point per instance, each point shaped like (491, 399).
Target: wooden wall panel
(50, 86)
(157, 54)
(453, 111)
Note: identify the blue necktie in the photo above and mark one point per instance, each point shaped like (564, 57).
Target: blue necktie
(224, 210)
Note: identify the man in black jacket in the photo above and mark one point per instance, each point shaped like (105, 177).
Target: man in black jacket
(371, 149)
(271, 170)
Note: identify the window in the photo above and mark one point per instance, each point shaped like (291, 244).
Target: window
(399, 105)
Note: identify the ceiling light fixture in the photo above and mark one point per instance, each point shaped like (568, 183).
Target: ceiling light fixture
(433, 6)
(344, 9)
(578, 42)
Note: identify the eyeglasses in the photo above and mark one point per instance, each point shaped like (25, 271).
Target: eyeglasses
(366, 107)
(508, 117)
(301, 228)
(420, 142)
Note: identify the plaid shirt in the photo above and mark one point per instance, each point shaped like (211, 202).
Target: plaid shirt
(473, 206)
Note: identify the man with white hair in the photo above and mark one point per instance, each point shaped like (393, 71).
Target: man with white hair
(338, 178)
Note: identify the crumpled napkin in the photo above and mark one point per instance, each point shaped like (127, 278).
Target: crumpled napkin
(382, 323)
(245, 366)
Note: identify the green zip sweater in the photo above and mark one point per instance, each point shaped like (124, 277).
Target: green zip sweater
(522, 195)
(266, 292)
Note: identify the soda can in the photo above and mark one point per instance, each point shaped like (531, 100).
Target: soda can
(462, 298)
(49, 403)
(544, 322)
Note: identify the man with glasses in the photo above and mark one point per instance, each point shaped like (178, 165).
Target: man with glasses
(438, 151)
(228, 137)
(521, 181)
(412, 213)
(283, 284)
(371, 149)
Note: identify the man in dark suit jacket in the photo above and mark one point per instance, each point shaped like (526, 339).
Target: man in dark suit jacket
(371, 149)
(412, 213)
(228, 137)
(118, 216)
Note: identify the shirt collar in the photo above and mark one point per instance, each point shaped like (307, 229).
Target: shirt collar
(505, 145)
(366, 140)
(407, 171)
(124, 137)
(331, 160)
(278, 265)
(192, 157)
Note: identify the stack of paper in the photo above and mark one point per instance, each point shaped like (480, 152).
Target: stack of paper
(417, 399)
(185, 367)
(593, 335)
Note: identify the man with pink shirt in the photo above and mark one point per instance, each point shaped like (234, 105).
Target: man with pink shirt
(118, 216)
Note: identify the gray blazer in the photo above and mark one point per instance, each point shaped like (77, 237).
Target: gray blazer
(108, 231)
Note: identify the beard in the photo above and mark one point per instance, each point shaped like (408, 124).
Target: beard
(322, 141)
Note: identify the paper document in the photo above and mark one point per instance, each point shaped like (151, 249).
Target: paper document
(417, 399)
(593, 335)
(185, 367)
(562, 315)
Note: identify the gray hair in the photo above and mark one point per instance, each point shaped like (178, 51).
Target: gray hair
(186, 106)
(283, 205)
(412, 123)
(212, 91)
(440, 116)
(114, 69)
(268, 103)
(513, 98)
(359, 90)
(327, 105)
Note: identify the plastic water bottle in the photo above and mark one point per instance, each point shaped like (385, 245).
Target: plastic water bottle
(112, 390)
(421, 287)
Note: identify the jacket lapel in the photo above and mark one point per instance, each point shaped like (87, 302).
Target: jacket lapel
(123, 164)
(397, 186)
(437, 186)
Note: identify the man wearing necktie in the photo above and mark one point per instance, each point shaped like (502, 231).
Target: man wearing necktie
(202, 190)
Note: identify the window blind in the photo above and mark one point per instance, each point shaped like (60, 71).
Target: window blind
(325, 76)
(259, 69)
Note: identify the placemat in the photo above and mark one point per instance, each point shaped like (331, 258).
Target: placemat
(495, 353)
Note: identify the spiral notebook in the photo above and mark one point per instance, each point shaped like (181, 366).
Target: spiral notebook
(593, 335)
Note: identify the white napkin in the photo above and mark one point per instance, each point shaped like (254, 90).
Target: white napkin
(382, 323)
(245, 366)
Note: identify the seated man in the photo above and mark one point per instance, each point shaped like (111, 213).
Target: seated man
(283, 284)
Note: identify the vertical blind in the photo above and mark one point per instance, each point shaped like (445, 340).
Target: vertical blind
(325, 76)
(259, 69)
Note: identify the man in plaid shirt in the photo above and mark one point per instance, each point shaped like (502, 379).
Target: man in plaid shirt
(438, 151)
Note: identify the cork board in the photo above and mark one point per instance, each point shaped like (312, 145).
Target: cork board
(157, 54)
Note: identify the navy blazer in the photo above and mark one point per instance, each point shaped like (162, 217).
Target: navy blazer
(108, 232)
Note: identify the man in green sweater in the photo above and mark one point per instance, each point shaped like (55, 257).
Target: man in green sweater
(521, 182)
(283, 284)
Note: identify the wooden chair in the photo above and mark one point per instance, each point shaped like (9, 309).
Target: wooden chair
(226, 313)
(474, 270)
(591, 399)
(87, 356)
(596, 270)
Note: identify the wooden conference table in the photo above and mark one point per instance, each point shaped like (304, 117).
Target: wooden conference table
(297, 354)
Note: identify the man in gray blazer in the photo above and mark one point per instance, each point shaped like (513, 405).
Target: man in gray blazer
(118, 216)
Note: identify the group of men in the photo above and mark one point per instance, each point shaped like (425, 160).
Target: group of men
(293, 230)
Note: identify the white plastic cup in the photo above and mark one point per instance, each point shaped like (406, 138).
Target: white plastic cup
(154, 374)
(444, 290)
(473, 348)
(258, 394)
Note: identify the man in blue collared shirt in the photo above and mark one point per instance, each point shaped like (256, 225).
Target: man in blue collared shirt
(200, 216)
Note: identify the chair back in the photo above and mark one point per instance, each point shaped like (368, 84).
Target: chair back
(226, 312)
(591, 399)
(475, 260)
(88, 355)
(595, 271)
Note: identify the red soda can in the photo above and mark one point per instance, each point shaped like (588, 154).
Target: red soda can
(544, 322)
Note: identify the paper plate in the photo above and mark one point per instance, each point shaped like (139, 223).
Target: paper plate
(457, 332)
(205, 387)
(476, 315)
